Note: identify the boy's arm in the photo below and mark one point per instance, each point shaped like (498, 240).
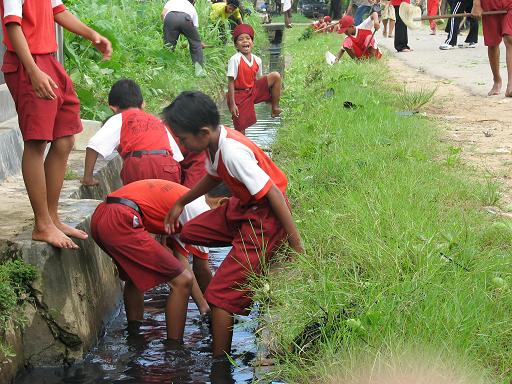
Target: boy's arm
(349, 8)
(171, 223)
(375, 18)
(231, 97)
(281, 210)
(42, 83)
(340, 53)
(69, 21)
(90, 161)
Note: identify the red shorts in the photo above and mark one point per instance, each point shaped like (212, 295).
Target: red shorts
(118, 230)
(253, 231)
(42, 119)
(496, 26)
(192, 168)
(150, 167)
(245, 100)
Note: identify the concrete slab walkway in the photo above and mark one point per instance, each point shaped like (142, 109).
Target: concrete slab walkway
(468, 67)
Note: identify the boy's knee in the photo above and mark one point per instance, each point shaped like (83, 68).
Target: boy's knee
(507, 39)
(276, 76)
(183, 281)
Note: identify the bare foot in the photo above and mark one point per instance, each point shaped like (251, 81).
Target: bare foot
(496, 89)
(72, 232)
(276, 112)
(508, 92)
(55, 237)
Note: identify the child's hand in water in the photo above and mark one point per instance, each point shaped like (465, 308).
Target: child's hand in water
(234, 110)
(89, 181)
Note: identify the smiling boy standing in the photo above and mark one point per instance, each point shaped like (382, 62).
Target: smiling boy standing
(244, 88)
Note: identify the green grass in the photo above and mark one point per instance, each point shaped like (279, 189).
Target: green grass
(296, 18)
(400, 255)
(15, 277)
(135, 30)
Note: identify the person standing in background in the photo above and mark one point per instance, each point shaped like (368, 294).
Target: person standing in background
(460, 6)
(362, 8)
(401, 38)
(388, 19)
(433, 10)
(287, 11)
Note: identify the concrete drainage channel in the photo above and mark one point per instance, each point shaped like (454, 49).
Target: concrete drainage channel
(77, 299)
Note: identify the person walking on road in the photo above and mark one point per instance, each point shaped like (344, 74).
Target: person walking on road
(401, 38)
(432, 10)
(460, 6)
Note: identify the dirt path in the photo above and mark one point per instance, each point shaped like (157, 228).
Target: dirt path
(480, 125)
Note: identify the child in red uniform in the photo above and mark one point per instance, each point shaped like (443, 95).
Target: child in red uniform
(359, 43)
(244, 89)
(192, 165)
(497, 28)
(255, 221)
(146, 146)
(48, 108)
(121, 226)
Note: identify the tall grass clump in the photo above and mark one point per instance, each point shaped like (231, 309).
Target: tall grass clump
(135, 30)
(400, 255)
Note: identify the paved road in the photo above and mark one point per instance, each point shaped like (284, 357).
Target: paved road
(468, 67)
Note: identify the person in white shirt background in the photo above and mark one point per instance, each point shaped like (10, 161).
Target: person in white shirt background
(180, 17)
(287, 11)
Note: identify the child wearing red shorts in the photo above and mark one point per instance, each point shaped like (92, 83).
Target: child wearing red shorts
(360, 42)
(143, 141)
(244, 89)
(47, 105)
(497, 28)
(122, 227)
(255, 221)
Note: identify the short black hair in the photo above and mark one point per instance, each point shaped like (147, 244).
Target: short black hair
(125, 94)
(220, 190)
(191, 111)
(234, 3)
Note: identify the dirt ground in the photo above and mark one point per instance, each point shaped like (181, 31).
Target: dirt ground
(479, 125)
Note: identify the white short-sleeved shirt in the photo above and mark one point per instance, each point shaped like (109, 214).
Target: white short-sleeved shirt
(234, 64)
(244, 167)
(191, 210)
(182, 6)
(108, 137)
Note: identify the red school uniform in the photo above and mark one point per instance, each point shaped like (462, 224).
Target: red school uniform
(145, 144)
(122, 229)
(248, 89)
(496, 26)
(358, 43)
(247, 222)
(39, 119)
(192, 165)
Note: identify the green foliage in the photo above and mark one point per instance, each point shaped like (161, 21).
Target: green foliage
(399, 251)
(15, 276)
(135, 30)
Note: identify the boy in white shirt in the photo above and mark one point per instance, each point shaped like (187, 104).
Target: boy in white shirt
(180, 17)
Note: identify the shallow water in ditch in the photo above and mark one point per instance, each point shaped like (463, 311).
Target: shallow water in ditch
(144, 358)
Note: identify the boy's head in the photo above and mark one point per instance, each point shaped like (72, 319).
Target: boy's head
(193, 117)
(218, 196)
(327, 19)
(232, 6)
(243, 36)
(347, 25)
(125, 94)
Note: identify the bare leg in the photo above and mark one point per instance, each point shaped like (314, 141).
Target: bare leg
(391, 27)
(133, 302)
(508, 45)
(55, 169)
(197, 294)
(222, 331)
(274, 83)
(494, 62)
(351, 53)
(176, 307)
(385, 30)
(202, 272)
(35, 181)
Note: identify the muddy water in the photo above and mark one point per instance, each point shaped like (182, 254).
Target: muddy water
(144, 356)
